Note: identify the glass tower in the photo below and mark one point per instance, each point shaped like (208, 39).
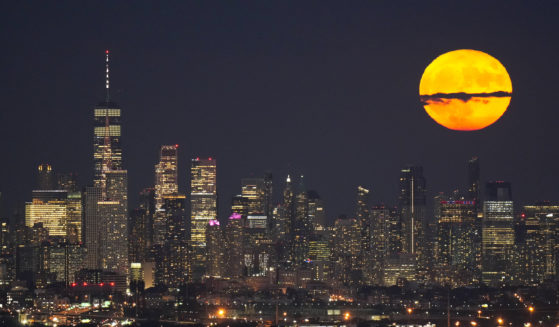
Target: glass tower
(203, 206)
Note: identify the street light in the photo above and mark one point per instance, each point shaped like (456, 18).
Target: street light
(410, 310)
(500, 320)
(473, 323)
(221, 313)
(347, 316)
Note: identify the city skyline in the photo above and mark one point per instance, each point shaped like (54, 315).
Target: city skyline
(273, 164)
(308, 103)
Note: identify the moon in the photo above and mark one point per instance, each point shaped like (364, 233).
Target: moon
(465, 90)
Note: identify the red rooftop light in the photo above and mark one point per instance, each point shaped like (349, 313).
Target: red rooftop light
(101, 284)
(74, 284)
(112, 283)
(84, 284)
(107, 51)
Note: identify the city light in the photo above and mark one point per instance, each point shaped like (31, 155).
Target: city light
(347, 316)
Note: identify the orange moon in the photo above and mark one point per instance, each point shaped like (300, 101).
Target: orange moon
(465, 90)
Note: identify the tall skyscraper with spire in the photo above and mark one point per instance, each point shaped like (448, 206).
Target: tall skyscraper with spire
(107, 200)
(106, 133)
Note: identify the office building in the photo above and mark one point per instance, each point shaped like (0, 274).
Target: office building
(203, 206)
(497, 233)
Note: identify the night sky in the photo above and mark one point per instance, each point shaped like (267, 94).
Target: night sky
(320, 88)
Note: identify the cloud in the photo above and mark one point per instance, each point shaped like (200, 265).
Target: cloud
(442, 97)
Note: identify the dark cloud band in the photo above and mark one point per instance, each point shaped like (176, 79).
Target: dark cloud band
(439, 97)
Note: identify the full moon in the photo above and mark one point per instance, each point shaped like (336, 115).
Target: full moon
(465, 90)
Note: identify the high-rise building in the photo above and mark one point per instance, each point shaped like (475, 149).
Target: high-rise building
(283, 223)
(166, 174)
(166, 183)
(497, 233)
(216, 250)
(257, 249)
(380, 226)
(50, 208)
(114, 212)
(203, 206)
(412, 205)
(539, 244)
(106, 216)
(268, 192)
(147, 204)
(45, 177)
(234, 238)
(302, 229)
(137, 247)
(458, 242)
(106, 134)
(317, 213)
(175, 252)
(320, 255)
(346, 247)
(68, 182)
(362, 215)
(473, 180)
(63, 260)
(93, 227)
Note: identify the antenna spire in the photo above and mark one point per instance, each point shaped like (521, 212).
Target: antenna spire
(107, 74)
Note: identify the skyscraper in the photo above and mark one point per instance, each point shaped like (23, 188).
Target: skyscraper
(114, 212)
(411, 202)
(362, 214)
(539, 244)
(257, 248)
(283, 224)
(473, 180)
(106, 133)
(380, 226)
(166, 174)
(166, 183)
(497, 233)
(175, 246)
(203, 206)
(412, 205)
(234, 238)
(45, 177)
(106, 219)
(458, 242)
(346, 247)
(68, 182)
(93, 227)
(50, 208)
(317, 213)
(216, 250)
(301, 226)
